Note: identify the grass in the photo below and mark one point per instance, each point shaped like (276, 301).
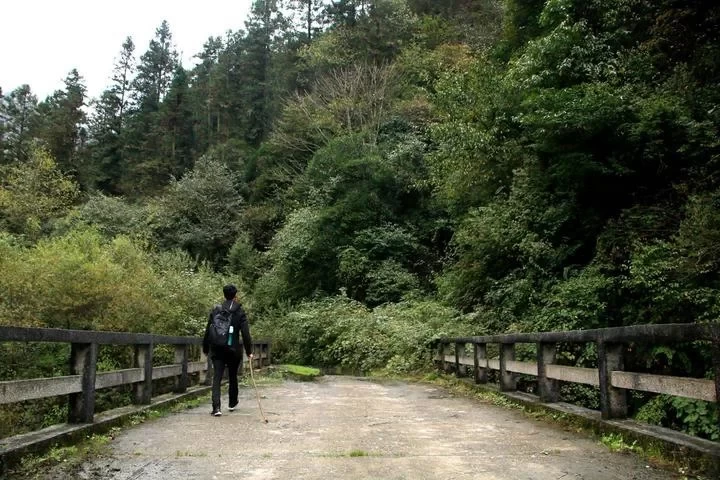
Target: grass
(180, 453)
(278, 374)
(301, 370)
(352, 454)
(358, 453)
(616, 443)
(70, 458)
(269, 378)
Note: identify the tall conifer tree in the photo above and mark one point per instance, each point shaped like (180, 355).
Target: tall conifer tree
(62, 124)
(18, 113)
(108, 121)
(143, 166)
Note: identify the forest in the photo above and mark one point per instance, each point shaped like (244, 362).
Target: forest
(374, 174)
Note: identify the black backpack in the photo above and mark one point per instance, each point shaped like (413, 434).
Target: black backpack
(220, 326)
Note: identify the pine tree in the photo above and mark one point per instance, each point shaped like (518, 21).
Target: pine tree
(108, 121)
(62, 124)
(309, 17)
(264, 29)
(143, 168)
(105, 145)
(122, 75)
(3, 129)
(205, 94)
(369, 31)
(345, 12)
(155, 70)
(176, 125)
(18, 113)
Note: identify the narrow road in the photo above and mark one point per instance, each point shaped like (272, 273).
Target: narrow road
(349, 428)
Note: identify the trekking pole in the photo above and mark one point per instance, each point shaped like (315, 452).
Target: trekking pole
(257, 394)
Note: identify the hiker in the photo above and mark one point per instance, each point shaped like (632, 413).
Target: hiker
(222, 340)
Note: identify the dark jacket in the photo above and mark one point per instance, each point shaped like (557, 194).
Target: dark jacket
(239, 322)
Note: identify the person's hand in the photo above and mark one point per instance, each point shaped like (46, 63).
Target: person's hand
(251, 356)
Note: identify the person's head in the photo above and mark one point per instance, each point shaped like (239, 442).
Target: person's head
(229, 291)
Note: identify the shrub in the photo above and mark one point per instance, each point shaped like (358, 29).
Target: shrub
(338, 331)
(82, 280)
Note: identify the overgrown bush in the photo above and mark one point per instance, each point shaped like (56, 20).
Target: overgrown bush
(33, 195)
(338, 331)
(82, 280)
(111, 216)
(695, 417)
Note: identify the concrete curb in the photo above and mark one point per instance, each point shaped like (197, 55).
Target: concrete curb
(13, 449)
(699, 454)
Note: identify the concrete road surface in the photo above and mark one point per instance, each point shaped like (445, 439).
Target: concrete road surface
(350, 428)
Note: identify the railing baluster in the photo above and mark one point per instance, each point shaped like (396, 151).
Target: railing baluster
(548, 389)
(441, 359)
(508, 381)
(481, 370)
(208, 368)
(181, 357)
(83, 362)
(716, 368)
(143, 359)
(613, 401)
(459, 352)
(446, 365)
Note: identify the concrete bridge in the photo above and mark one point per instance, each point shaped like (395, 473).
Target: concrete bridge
(349, 428)
(345, 427)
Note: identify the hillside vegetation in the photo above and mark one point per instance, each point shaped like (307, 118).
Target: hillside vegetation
(376, 173)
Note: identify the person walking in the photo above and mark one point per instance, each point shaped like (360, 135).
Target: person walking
(227, 322)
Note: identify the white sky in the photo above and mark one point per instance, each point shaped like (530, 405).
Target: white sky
(42, 40)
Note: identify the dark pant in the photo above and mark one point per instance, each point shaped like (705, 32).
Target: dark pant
(233, 362)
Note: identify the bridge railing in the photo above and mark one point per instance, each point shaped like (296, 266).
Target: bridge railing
(84, 379)
(610, 375)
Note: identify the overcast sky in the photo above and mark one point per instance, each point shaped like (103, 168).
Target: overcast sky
(42, 40)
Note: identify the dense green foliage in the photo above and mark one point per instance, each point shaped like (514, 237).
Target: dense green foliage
(338, 331)
(377, 173)
(81, 280)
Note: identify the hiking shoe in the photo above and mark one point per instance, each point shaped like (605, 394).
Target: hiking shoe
(216, 413)
(232, 407)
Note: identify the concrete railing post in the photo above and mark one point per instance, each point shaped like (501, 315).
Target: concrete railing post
(613, 401)
(440, 351)
(143, 359)
(481, 375)
(713, 333)
(548, 389)
(716, 369)
(208, 369)
(181, 358)
(257, 361)
(445, 366)
(83, 362)
(508, 381)
(459, 352)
